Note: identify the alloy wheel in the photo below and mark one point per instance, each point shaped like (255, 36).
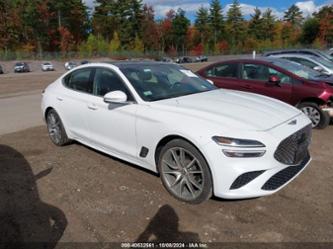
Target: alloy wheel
(313, 114)
(182, 173)
(54, 127)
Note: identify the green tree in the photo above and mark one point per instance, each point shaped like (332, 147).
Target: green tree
(180, 25)
(138, 45)
(216, 21)
(115, 45)
(310, 31)
(202, 24)
(235, 23)
(268, 24)
(255, 25)
(294, 16)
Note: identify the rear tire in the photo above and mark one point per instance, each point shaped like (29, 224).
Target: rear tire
(56, 129)
(184, 172)
(320, 119)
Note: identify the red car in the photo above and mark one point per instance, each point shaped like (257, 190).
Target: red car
(287, 81)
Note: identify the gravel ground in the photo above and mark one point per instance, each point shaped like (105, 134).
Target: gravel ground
(74, 193)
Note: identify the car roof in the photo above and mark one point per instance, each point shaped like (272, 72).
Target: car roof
(265, 60)
(300, 55)
(123, 64)
(295, 50)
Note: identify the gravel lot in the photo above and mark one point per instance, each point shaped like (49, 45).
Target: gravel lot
(77, 194)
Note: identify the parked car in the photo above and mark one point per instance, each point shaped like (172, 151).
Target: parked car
(330, 52)
(201, 58)
(21, 67)
(287, 81)
(1, 70)
(184, 59)
(167, 119)
(70, 65)
(313, 62)
(313, 52)
(84, 62)
(47, 66)
(166, 59)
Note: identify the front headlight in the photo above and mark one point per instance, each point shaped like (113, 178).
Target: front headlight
(236, 142)
(240, 147)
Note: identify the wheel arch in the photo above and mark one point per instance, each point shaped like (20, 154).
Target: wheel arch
(169, 138)
(47, 110)
(315, 100)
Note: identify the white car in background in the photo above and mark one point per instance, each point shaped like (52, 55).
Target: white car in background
(70, 65)
(47, 66)
(201, 140)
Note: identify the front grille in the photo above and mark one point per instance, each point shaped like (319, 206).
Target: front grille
(245, 178)
(285, 175)
(294, 148)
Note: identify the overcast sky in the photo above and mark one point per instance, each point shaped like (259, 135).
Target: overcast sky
(190, 6)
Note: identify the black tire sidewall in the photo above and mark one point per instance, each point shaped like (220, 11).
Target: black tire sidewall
(208, 184)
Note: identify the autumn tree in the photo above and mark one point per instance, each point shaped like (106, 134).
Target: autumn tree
(165, 31)
(150, 32)
(325, 18)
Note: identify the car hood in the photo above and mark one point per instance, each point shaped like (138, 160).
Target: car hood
(231, 109)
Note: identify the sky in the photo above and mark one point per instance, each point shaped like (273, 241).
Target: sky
(247, 6)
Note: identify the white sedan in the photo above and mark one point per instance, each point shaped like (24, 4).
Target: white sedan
(202, 141)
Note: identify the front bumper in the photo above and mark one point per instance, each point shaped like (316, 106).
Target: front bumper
(262, 175)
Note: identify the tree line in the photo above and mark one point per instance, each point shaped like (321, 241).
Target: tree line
(129, 25)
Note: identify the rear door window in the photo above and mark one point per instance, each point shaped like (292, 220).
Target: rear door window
(223, 70)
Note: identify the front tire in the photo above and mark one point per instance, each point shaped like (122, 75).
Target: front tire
(319, 118)
(184, 172)
(56, 129)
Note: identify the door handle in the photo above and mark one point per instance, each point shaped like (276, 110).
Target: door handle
(60, 99)
(92, 107)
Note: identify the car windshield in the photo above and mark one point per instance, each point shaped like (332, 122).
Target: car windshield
(323, 62)
(326, 56)
(19, 64)
(298, 69)
(47, 64)
(164, 81)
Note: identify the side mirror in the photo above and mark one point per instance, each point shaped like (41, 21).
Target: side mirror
(274, 80)
(210, 81)
(116, 97)
(318, 68)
